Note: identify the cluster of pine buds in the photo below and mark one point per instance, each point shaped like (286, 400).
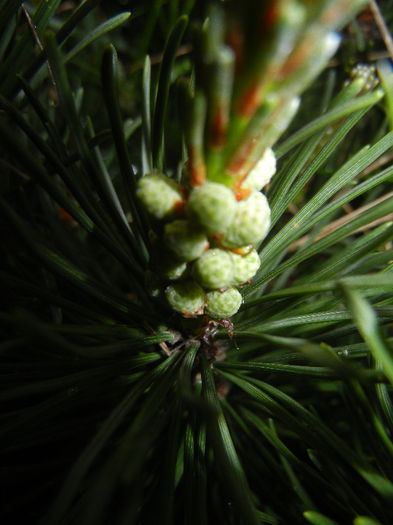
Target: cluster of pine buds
(252, 61)
(209, 238)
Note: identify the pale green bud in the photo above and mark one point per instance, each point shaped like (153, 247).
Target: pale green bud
(250, 224)
(214, 269)
(186, 298)
(221, 305)
(160, 195)
(211, 206)
(184, 241)
(262, 172)
(244, 266)
(174, 270)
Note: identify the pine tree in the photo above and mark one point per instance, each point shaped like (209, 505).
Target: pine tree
(196, 216)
